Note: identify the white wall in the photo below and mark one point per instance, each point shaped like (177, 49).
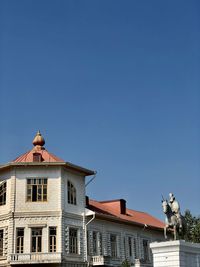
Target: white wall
(79, 182)
(72, 214)
(53, 202)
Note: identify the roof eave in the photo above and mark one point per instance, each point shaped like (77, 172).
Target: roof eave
(72, 166)
(117, 219)
(67, 165)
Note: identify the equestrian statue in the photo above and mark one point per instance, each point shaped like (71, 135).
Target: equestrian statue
(174, 220)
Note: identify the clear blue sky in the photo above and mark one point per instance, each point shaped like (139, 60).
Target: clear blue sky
(113, 86)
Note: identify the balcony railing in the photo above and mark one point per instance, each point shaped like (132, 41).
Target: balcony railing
(104, 260)
(107, 260)
(35, 258)
(98, 260)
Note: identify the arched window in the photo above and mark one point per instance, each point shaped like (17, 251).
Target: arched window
(3, 193)
(71, 190)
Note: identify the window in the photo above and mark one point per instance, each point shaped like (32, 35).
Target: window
(37, 157)
(37, 189)
(113, 246)
(20, 240)
(130, 253)
(95, 244)
(36, 239)
(2, 193)
(73, 241)
(146, 249)
(88, 243)
(100, 243)
(52, 239)
(1, 242)
(135, 248)
(71, 190)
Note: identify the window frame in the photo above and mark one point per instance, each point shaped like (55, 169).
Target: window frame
(37, 157)
(1, 242)
(71, 193)
(74, 243)
(19, 250)
(37, 238)
(95, 243)
(3, 192)
(52, 247)
(113, 246)
(146, 250)
(34, 185)
(130, 246)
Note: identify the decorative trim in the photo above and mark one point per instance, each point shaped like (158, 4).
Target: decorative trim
(72, 215)
(37, 225)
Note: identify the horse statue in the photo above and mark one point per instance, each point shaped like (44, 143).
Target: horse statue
(174, 220)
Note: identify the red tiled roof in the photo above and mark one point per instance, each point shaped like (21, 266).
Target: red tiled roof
(46, 156)
(131, 216)
(38, 149)
(39, 155)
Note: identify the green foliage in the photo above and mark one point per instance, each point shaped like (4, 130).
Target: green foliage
(192, 232)
(125, 264)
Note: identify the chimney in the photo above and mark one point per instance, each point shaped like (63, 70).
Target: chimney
(122, 206)
(118, 205)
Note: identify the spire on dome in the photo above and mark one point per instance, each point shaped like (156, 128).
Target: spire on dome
(38, 141)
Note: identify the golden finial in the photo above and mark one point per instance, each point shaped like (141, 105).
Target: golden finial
(38, 140)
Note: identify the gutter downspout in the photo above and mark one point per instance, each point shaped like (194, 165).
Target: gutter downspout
(13, 214)
(85, 233)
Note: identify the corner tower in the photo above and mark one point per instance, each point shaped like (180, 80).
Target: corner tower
(42, 199)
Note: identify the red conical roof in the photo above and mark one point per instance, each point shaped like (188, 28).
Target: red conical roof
(38, 151)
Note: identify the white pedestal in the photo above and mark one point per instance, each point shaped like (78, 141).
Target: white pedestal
(175, 254)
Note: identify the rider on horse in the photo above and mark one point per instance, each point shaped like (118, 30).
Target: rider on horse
(175, 207)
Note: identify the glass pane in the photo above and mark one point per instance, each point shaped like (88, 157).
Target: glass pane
(20, 232)
(44, 190)
(1, 242)
(33, 244)
(34, 193)
(39, 244)
(39, 189)
(52, 231)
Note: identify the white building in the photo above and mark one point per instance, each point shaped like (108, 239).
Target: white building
(46, 219)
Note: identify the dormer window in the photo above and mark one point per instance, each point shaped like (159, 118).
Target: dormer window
(71, 193)
(2, 193)
(37, 157)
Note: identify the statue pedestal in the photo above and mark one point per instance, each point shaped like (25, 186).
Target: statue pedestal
(176, 253)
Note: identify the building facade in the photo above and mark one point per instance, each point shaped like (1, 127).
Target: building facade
(46, 218)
